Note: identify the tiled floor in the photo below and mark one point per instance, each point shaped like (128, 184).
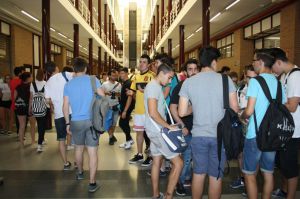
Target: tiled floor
(29, 174)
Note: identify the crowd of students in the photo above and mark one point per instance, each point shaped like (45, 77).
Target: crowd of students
(195, 99)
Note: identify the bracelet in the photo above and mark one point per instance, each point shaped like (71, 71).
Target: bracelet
(67, 124)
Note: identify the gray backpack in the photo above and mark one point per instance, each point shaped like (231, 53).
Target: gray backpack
(98, 108)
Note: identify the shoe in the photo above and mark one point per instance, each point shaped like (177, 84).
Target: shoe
(180, 191)
(70, 147)
(147, 162)
(67, 166)
(79, 175)
(147, 149)
(161, 173)
(237, 183)
(278, 193)
(122, 145)
(45, 142)
(161, 196)
(244, 194)
(39, 148)
(112, 140)
(187, 183)
(136, 158)
(93, 187)
(127, 145)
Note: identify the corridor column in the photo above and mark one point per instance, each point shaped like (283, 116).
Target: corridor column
(46, 47)
(154, 31)
(91, 12)
(205, 22)
(105, 23)
(105, 61)
(109, 31)
(99, 18)
(112, 37)
(181, 45)
(76, 40)
(90, 69)
(99, 61)
(170, 47)
(157, 20)
(169, 12)
(162, 2)
(162, 49)
(109, 63)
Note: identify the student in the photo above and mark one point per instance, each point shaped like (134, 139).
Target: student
(155, 116)
(5, 104)
(191, 68)
(252, 156)
(204, 92)
(288, 159)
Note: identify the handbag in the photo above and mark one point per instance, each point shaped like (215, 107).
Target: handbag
(173, 138)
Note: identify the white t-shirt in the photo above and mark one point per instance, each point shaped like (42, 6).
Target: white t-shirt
(39, 85)
(5, 91)
(108, 86)
(54, 89)
(242, 99)
(292, 89)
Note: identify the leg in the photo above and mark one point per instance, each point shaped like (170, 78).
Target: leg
(292, 187)
(11, 119)
(215, 188)
(22, 122)
(198, 185)
(251, 185)
(32, 128)
(62, 150)
(17, 122)
(268, 185)
(2, 118)
(111, 131)
(41, 124)
(177, 165)
(155, 175)
(79, 157)
(93, 162)
(147, 140)
(124, 125)
(139, 141)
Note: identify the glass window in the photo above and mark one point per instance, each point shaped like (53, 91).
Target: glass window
(256, 28)
(272, 41)
(266, 24)
(276, 20)
(5, 28)
(225, 45)
(258, 43)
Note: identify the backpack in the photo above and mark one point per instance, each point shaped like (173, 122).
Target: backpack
(277, 126)
(99, 107)
(229, 129)
(65, 76)
(39, 105)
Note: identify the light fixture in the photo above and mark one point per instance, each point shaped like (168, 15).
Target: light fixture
(30, 16)
(235, 2)
(199, 29)
(71, 40)
(62, 35)
(52, 29)
(215, 17)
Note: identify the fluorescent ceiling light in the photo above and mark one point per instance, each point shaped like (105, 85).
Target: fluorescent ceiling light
(190, 36)
(80, 46)
(177, 46)
(215, 17)
(235, 2)
(62, 35)
(71, 40)
(52, 29)
(85, 49)
(199, 29)
(30, 16)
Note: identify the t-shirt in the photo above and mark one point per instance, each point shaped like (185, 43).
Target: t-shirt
(108, 86)
(54, 89)
(80, 93)
(13, 84)
(140, 80)
(123, 100)
(39, 85)
(154, 90)
(241, 94)
(292, 89)
(262, 103)
(187, 120)
(6, 94)
(205, 92)
(23, 92)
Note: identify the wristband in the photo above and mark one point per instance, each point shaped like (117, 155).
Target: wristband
(67, 124)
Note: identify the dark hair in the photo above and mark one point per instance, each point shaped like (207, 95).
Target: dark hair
(111, 71)
(145, 56)
(249, 67)
(104, 73)
(225, 69)
(208, 55)
(50, 67)
(24, 76)
(190, 61)
(164, 58)
(279, 54)
(124, 69)
(18, 70)
(266, 56)
(68, 69)
(132, 70)
(40, 75)
(233, 74)
(164, 68)
(79, 65)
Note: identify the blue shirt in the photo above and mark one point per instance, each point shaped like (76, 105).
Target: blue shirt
(262, 103)
(79, 91)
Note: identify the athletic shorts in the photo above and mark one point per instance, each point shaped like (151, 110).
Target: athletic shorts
(61, 129)
(83, 133)
(139, 122)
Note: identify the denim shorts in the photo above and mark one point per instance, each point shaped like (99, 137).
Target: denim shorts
(253, 157)
(205, 156)
(83, 133)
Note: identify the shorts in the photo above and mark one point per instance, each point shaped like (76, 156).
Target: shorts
(139, 122)
(205, 156)
(5, 104)
(287, 160)
(252, 157)
(115, 118)
(83, 133)
(61, 131)
(22, 110)
(158, 146)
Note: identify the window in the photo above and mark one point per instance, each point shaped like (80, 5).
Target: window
(272, 41)
(69, 57)
(225, 45)
(55, 49)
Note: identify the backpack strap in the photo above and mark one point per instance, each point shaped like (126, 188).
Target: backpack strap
(225, 91)
(94, 90)
(35, 87)
(65, 76)
(263, 84)
(279, 92)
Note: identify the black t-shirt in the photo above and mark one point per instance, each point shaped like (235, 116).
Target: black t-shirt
(123, 100)
(23, 91)
(187, 120)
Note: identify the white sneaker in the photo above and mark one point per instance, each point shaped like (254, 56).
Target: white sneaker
(131, 142)
(127, 145)
(70, 148)
(39, 148)
(122, 145)
(45, 142)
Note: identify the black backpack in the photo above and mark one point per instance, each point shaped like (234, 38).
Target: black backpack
(229, 130)
(277, 126)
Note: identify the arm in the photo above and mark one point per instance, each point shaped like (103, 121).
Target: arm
(66, 113)
(292, 104)
(167, 91)
(233, 102)
(174, 112)
(30, 103)
(184, 109)
(100, 92)
(249, 109)
(154, 114)
(127, 105)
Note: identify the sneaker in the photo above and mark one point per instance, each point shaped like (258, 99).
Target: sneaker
(161, 173)
(278, 193)
(187, 183)
(93, 187)
(147, 162)
(161, 196)
(122, 145)
(39, 148)
(180, 191)
(112, 140)
(70, 147)
(67, 166)
(45, 142)
(237, 183)
(79, 175)
(127, 144)
(136, 158)
(244, 194)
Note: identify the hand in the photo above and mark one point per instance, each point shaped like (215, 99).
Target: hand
(68, 130)
(173, 127)
(185, 131)
(123, 115)
(140, 89)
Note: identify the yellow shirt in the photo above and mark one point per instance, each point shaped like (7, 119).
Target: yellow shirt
(140, 80)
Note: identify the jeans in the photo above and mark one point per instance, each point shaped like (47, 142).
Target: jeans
(41, 124)
(186, 172)
(124, 125)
